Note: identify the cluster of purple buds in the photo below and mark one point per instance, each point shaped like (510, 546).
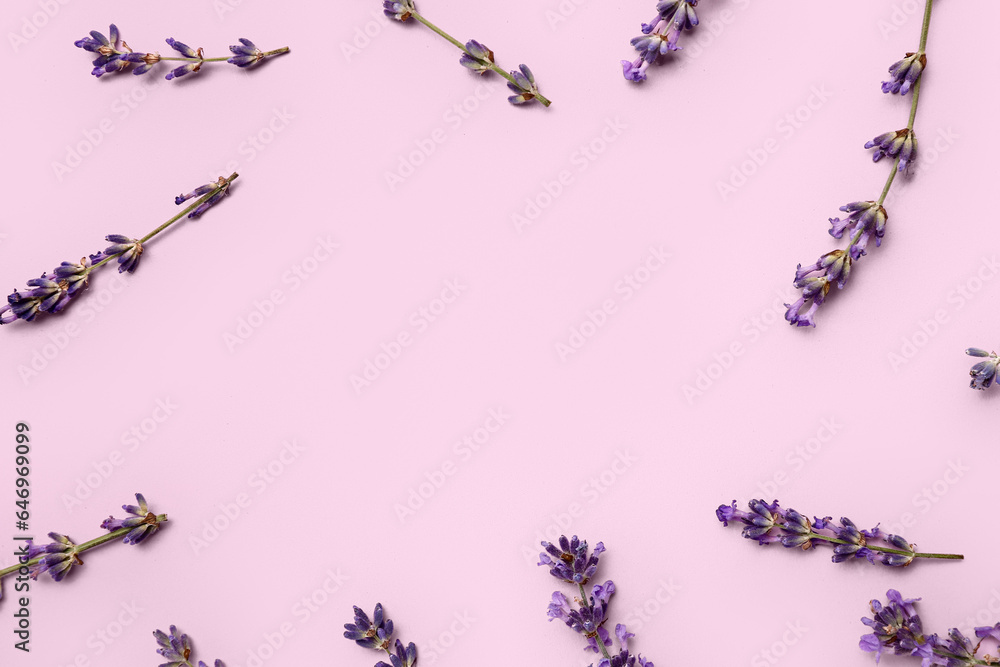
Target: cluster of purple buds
(901, 144)
(476, 56)
(53, 291)
(115, 55)
(896, 628)
(176, 648)
(571, 561)
(376, 633)
(660, 36)
(905, 73)
(984, 372)
(768, 523)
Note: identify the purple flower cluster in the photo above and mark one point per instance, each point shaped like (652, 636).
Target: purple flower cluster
(476, 56)
(115, 55)
(768, 523)
(660, 36)
(984, 372)
(376, 633)
(176, 648)
(572, 561)
(53, 291)
(896, 628)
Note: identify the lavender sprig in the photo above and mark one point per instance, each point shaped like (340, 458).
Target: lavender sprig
(53, 291)
(769, 523)
(475, 56)
(865, 219)
(897, 629)
(660, 36)
(59, 557)
(377, 634)
(572, 561)
(177, 649)
(985, 371)
(115, 55)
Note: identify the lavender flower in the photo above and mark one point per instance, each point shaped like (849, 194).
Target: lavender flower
(114, 55)
(475, 56)
(376, 633)
(660, 36)
(60, 556)
(896, 628)
(177, 649)
(767, 523)
(572, 563)
(906, 72)
(865, 219)
(52, 292)
(901, 143)
(985, 371)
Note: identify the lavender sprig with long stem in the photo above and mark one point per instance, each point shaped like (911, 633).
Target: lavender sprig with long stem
(897, 628)
(376, 633)
(475, 56)
(865, 219)
(59, 557)
(660, 36)
(176, 647)
(53, 291)
(572, 561)
(768, 523)
(984, 372)
(115, 55)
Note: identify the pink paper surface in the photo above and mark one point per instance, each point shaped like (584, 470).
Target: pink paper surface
(231, 352)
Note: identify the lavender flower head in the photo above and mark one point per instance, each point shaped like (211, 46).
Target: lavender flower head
(477, 58)
(176, 648)
(376, 633)
(143, 523)
(905, 73)
(57, 558)
(769, 523)
(523, 85)
(901, 143)
(587, 615)
(400, 10)
(660, 36)
(984, 372)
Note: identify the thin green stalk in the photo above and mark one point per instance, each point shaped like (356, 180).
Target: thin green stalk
(267, 54)
(889, 550)
(80, 548)
(493, 66)
(172, 220)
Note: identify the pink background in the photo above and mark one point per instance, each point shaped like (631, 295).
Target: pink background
(880, 433)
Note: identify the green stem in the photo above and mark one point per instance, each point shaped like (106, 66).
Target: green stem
(172, 220)
(584, 601)
(889, 550)
(80, 548)
(267, 54)
(493, 66)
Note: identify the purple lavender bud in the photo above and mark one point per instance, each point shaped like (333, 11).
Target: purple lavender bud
(902, 143)
(400, 10)
(404, 656)
(23, 305)
(524, 85)
(197, 192)
(182, 48)
(209, 203)
(660, 36)
(898, 560)
(367, 633)
(961, 648)
(988, 631)
(635, 70)
(798, 530)
(183, 70)
(479, 58)
(246, 53)
(570, 561)
(985, 371)
(57, 557)
(142, 522)
(145, 61)
(905, 73)
(129, 252)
